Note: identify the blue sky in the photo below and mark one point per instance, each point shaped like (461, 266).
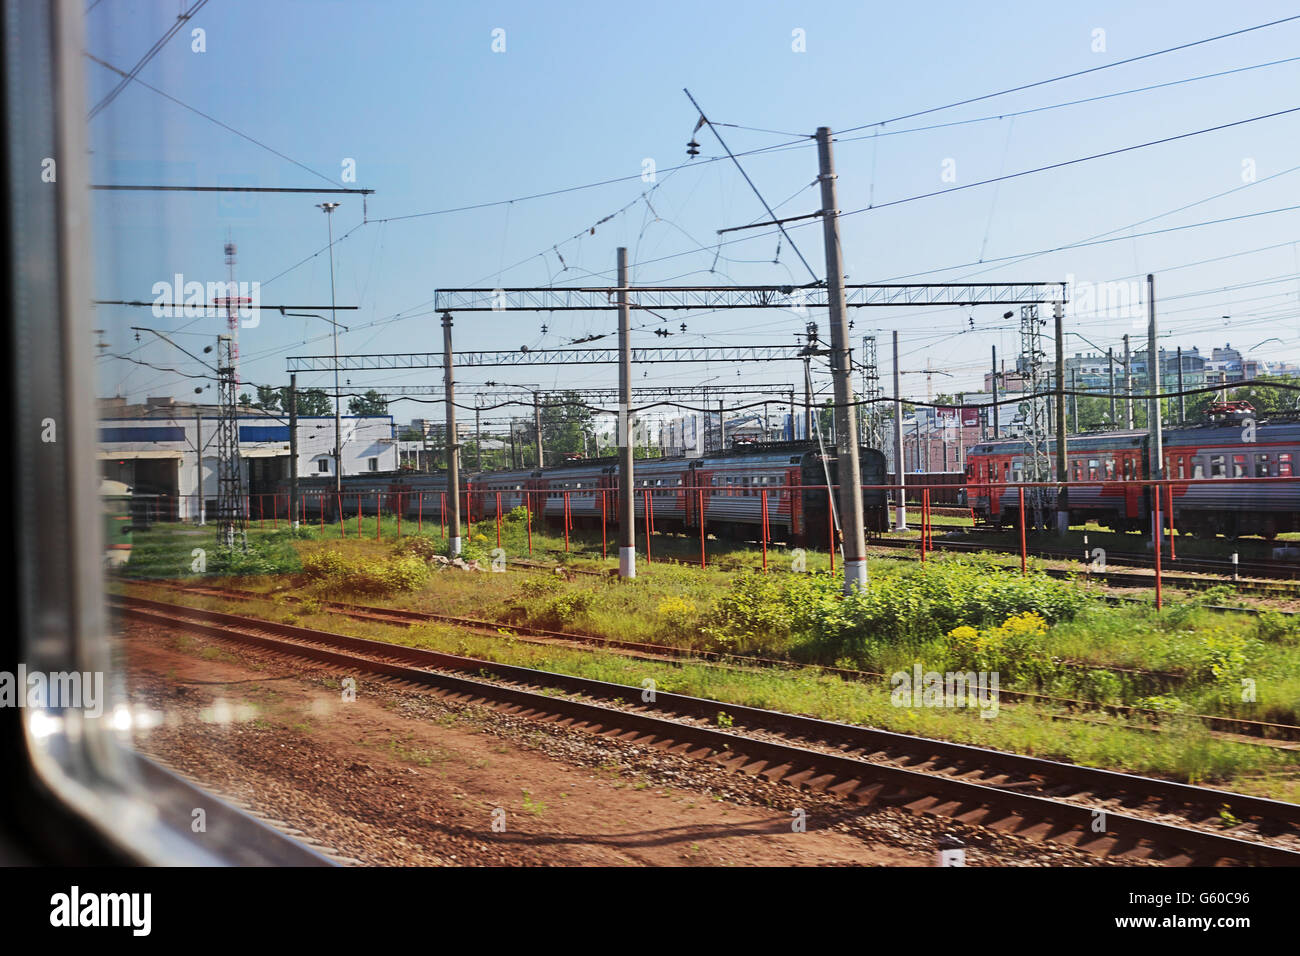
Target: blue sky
(585, 92)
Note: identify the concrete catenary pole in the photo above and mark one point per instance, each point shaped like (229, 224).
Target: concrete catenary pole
(1128, 386)
(1110, 365)
(537, 427)
(1153, 383)
(852, 518)
(293, 449)
(453, 445)
(626, 511)
(1062, 471)
(900, 471)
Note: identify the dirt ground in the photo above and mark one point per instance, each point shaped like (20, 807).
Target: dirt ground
(404, 776)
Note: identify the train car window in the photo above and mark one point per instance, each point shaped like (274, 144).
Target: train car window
(1110, 469)
(1284, 464)
(1198, 468)
(1006, 471)
(1093, 465)
(1182, 467)
(1218, 466)
(1239, 466)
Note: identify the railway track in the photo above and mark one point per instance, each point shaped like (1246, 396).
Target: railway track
(1201, 565)
(1119, 578)
(1103, 813)
(1242, 729)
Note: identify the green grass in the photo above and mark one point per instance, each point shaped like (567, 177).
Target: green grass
(1183, 750)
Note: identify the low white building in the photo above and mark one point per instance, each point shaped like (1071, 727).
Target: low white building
(171, 451)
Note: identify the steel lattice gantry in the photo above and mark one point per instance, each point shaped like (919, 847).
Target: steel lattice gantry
(668, 298)
(797, 298)
(402, 360)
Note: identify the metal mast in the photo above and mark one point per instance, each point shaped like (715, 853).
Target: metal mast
(231, 531)
(1034, 410)
(873, 417)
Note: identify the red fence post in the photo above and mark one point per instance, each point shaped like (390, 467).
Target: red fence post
(764, 531)
(1173, 555)
(1156, 548)
(498, 519)
(1021, 489)
(703, 562)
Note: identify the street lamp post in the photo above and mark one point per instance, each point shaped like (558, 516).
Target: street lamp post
(338, 485)
(329, 208)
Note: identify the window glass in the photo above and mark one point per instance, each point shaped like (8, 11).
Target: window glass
(1238, 466)
(1218, 467)
(1284, 464)
(1198, 467)
(1262, 463)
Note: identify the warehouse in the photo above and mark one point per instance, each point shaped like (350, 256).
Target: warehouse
(154, 448)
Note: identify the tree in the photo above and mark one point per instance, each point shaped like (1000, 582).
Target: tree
(371, 403)
(313, 402)
(269, 398)
(566, 421)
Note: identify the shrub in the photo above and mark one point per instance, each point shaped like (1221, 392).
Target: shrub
(1014, 650)
(402, 573)
(1213, 657)
(679, 614)
(1275, 628)
(324, 564)
(420, 546)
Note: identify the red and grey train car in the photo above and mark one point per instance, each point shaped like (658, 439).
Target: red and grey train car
(726, 490)
(1113, 465)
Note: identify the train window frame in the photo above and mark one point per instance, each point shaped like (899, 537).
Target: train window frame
(1264, 459)
(1284, 465)
(1239, 463)
(1218, 466)
(80, 791)
(1198, 467)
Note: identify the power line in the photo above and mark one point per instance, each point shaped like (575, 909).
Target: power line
(141, 63)
(1073, 162)
(770, 213)
(1070, 76)
(209, 118)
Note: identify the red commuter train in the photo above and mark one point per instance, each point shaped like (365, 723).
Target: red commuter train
(1113, 466)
